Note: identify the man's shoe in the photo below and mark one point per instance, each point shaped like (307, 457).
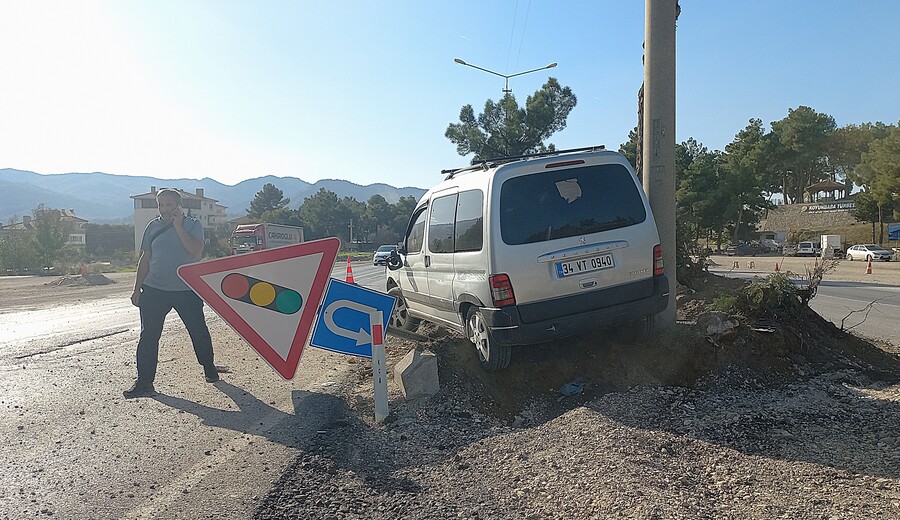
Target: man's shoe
(211, 375)
(140, 389)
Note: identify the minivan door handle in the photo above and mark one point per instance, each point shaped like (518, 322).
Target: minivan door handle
(427, 261)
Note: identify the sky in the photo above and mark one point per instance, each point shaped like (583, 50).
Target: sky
(364, 91)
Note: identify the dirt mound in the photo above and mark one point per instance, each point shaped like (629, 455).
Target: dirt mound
(84, 281)
(575, 370)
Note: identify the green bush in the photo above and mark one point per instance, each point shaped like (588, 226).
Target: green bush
(773, 296)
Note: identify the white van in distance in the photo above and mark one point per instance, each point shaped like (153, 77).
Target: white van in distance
(522, 250)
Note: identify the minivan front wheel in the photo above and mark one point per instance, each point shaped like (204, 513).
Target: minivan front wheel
(491, 356)
(400, 318)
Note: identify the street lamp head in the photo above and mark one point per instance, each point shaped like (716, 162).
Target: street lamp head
(506, 89)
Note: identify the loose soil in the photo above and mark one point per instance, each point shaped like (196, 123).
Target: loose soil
(797, 421)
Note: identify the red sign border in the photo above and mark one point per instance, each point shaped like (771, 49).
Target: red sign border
(192, 275)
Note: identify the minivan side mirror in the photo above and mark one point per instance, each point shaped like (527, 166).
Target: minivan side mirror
(394, 261)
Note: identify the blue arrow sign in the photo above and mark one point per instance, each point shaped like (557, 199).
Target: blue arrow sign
(344, 323)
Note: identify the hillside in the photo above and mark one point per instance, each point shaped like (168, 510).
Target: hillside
(104, 198)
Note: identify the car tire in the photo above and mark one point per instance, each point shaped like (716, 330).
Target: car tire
(636, 331)
(400, 318)
(849, 257)
(491, 356)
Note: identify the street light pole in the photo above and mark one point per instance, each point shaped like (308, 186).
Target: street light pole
(506, 89)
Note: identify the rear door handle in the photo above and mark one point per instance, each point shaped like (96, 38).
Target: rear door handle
(427, 261)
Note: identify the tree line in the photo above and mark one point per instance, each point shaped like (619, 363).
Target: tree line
(44, 243)
(324, 214)
(723, 193)
(719, 194)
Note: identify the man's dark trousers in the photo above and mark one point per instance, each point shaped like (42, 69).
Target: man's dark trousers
(155, 305)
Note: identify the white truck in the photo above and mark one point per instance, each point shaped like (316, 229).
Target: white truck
(256, 237)
(831, 246)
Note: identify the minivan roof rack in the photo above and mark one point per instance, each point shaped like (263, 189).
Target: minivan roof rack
(483, 163)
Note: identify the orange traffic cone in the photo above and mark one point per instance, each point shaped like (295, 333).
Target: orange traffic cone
(869, 268)
(349, 272)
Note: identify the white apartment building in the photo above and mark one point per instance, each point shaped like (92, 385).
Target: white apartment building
(74, 227)
(208, 211)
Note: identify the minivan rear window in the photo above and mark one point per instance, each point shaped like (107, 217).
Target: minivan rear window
(577, 201)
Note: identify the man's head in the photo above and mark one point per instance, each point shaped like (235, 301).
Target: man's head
(168, 201)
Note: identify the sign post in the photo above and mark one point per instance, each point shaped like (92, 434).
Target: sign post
(379, 370)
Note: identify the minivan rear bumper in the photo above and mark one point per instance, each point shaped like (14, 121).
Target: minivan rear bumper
(507, 327)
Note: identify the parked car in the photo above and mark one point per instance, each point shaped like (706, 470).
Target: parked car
(789, 250)
(868, 252)
(382, 253)
(740, 250)
(808, 249)
(758, 249)
(522, 250)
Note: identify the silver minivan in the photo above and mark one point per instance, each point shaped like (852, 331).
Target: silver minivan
(522, 250)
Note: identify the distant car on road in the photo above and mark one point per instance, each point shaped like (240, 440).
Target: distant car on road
(382, 254)
(790, 250)
(868, 252)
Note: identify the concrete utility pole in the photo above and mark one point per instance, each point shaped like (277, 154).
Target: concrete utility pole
(658, 154)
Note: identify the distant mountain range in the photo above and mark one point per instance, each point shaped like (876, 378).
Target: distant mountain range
(104, 198)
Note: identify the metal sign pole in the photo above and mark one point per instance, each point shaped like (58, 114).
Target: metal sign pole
(379, 370)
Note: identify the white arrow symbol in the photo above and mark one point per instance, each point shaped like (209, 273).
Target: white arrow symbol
(361, 337)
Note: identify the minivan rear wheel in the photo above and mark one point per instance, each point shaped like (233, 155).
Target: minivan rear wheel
(400, 318)
(491, 356)
(636, 331)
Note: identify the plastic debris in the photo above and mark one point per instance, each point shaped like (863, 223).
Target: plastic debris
(571, 389)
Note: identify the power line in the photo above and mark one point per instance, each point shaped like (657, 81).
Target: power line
(524, 29)
(512, 34)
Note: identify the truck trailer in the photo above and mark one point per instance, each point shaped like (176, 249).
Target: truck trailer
(256, 237)
(831, 246)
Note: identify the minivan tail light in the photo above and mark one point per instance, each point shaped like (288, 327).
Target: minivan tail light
(502, 291)
(658, 268)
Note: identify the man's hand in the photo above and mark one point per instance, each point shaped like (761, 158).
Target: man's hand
(177, 217)
(136, 298)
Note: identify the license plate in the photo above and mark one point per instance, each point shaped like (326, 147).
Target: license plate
(584, 265)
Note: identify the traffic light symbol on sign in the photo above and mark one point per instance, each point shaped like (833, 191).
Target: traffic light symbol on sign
(261, 293)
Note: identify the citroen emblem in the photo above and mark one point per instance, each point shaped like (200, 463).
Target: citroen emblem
(582, 240)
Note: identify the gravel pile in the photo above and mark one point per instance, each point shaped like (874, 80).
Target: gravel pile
(737, 445)
(85, 280)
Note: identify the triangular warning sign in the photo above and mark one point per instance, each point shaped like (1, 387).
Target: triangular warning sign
(270, 297)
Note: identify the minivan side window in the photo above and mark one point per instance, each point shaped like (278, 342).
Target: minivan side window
(416, 234)
(469, 221)
(440, 225)
(571, 202)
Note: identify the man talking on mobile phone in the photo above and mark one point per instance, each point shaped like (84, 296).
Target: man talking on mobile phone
(169, 241)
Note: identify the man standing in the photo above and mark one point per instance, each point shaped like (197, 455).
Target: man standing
(169, 242)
